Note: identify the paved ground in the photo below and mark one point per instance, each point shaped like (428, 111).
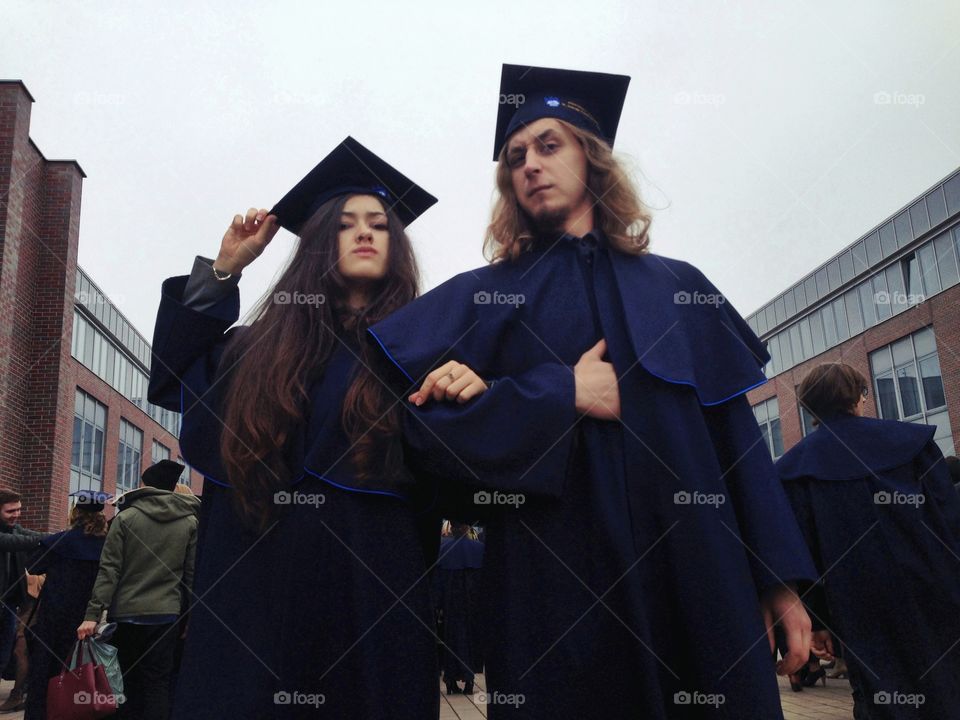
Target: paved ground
(820, 703)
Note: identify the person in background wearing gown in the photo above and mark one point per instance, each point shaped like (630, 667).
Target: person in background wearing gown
(456, 581)
(299, 610)
(70, 560)
(639, 547)
(882, 521)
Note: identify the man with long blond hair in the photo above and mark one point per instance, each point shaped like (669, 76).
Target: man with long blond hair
(640, 550)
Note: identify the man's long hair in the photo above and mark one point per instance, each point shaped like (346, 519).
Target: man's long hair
(619, 211)
(273, 362)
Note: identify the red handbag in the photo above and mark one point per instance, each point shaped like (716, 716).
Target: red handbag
(81, 691)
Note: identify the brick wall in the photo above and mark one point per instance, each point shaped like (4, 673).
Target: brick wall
(39, 235)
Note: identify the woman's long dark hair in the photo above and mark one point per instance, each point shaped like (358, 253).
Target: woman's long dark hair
(272, 363)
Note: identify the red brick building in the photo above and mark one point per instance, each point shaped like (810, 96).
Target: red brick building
(73, 370)
(888, 304)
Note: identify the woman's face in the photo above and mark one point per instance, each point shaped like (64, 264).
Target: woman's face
(364, 240)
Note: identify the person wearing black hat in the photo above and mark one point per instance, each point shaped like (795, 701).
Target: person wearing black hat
(144, 576)
(299, 608)
(648, 549)
(70, 560)
(878, 510)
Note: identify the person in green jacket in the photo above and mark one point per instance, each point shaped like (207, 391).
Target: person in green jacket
(145, 575)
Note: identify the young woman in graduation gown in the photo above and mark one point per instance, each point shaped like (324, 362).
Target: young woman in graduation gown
(882, 520)
(299, 608)
(70, 560)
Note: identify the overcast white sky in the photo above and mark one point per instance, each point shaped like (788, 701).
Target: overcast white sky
(752, 127)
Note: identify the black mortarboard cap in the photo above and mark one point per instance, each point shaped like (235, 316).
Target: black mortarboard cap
(351, 168)
(91, 499)
(163, 474)
(592, 101)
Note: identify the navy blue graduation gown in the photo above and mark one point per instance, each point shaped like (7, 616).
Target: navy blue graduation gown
(626, 583)
(327, 614)
(881, 517)
(457, 589)
(70, 560)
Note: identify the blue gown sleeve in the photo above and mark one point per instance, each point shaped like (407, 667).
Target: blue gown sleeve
(768, 527)
(184, 338)
(812, 593)
(516, 437)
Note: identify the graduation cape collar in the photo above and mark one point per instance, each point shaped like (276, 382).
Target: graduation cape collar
(682, 329)
(847, 447)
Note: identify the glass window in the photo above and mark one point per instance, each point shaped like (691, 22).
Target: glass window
(816, 328)
(911, 271)
(806, 338)
(866, 303)
(898, 295)
(801, 296)
(810, 290)
(932, 383)
(860, 264)
(129, 456)
(909, 391)
(846, 267)
(768, 418)
(951, 191)
(833, 274)
(771, 317)
(944, 249)
(796, 345)
(776, 438)
(873, 249)
(760, 319)
(928, 268)
(786, 353)
(160, 452)
(776, 362)
(888, 240)
(887, 396)
(924, 342)
(822, 286)
(851, 299)
(760, 411)
(918, 217)
(86, 457)
(901, 225)
(830, 326)
(840, 312)
(881, 297)
(781, 309)
(790, 301)
(936, 207)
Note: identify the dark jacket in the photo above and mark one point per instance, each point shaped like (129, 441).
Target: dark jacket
(15, 541)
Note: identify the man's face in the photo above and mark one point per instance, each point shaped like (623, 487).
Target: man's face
(10, 513)
(549, 171)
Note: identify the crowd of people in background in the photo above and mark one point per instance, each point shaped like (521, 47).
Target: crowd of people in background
(134, 570)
